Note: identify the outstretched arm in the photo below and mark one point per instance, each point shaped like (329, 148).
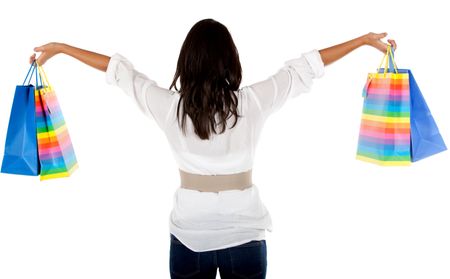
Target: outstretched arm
(93, 59)
(154, 101)
(100, 61)
(331, 54)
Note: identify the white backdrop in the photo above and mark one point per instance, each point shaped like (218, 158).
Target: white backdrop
(333, 216)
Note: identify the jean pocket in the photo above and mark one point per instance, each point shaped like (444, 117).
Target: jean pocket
(184, 262)
(249, 260)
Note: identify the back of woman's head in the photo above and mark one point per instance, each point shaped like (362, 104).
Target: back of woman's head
(210, 72)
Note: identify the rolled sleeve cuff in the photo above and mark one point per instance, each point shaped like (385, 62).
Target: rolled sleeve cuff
(111, 70)
(315, 61)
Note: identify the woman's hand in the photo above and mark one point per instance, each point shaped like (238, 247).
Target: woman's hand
(47, 51)
(374, 40)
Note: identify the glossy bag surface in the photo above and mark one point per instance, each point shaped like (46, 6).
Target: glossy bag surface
(397, 127)
(385, 135)
(56, 153)
(21, 151)
(426, 140)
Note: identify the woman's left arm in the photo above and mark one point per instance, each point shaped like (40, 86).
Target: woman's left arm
(331, 54)
(152, 100)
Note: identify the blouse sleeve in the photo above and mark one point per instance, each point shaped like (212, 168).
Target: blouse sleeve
(154, 101)
(294, 78)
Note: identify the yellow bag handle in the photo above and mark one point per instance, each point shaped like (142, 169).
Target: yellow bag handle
(386, 60)
(43, 76)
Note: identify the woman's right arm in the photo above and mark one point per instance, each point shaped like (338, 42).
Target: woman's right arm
(93, 59)
(334, 53)
(297, 75)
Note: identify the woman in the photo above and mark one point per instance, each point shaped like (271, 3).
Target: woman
(218, 220)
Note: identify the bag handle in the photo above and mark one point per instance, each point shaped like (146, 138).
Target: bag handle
(389, 61)
(37, 77)
(43, 76)
(31, 70)
(392, 64)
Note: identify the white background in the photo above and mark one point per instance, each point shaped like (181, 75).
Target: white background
(333, 216)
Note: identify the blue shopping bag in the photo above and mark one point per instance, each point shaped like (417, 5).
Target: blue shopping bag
(426, 140)
(21, 149)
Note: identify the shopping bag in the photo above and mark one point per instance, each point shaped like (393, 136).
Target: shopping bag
(396, 125)
(426, 140)
(56, 153)
(21, 153)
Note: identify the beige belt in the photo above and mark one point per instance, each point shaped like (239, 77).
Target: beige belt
(216, 183)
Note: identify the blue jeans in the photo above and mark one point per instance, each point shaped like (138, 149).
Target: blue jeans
(248, 260)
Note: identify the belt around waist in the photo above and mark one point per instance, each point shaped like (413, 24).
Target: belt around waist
(216, 183)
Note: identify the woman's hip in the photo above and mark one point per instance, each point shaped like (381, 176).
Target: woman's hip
(247, 260)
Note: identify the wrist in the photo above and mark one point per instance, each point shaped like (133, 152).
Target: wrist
(62, 48)
(364, 40)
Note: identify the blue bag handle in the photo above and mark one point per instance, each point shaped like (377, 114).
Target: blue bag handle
(30, 71)
(38, 76)
(391, 62)
(33, 70)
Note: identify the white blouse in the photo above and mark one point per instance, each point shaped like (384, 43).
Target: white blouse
(205, 221)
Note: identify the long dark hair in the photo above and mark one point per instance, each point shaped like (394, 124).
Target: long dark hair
(209, 71)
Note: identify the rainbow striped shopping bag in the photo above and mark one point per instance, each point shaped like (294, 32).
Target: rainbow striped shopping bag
(397, 127)
(56, 154)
